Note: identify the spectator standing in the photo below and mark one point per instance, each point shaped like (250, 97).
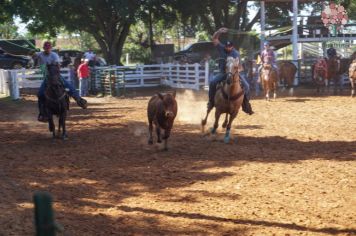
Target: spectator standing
(90, 55)
(83, 74)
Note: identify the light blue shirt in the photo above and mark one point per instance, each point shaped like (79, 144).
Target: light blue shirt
(48, 59)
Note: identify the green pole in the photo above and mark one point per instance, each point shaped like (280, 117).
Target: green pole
(44, 216)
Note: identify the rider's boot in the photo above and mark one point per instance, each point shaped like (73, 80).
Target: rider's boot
(81, 102)
(246, 106)
(42, 116)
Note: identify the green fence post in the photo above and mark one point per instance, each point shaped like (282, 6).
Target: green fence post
(44, 217)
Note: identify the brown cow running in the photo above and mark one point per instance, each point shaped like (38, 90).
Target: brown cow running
(161, 111)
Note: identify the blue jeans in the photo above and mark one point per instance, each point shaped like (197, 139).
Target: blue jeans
(72, 91)
(221, 77)
(83, 86)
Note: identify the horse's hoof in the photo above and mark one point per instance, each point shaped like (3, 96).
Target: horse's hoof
(150, 142)
(212, 131)
(227, 139)
(203, 122)
(159, 141)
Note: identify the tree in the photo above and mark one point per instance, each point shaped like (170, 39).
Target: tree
(8, 30)
(107, 21)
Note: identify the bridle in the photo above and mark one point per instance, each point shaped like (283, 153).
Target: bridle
(230, 74)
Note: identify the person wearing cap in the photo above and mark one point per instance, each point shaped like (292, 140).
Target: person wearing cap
(267, 56)
(83, 73)
(47, 57)
(331, 52)
(227, 50)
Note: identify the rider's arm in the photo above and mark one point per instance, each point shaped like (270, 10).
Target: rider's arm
(217, 34)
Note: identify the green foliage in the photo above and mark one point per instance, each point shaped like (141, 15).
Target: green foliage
(8, 30)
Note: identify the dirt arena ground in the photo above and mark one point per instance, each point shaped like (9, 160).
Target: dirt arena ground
(291, 169)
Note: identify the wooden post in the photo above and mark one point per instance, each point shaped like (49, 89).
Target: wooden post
(15, 90)
(206, 84)
(295, 37)
(196, 75)
(263, 24)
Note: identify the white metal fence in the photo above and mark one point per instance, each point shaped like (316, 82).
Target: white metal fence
(190, 76)
(11, 81)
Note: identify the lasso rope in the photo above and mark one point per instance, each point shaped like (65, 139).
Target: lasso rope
(239, 32)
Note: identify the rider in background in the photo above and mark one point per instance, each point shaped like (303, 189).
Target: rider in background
(331, 52)
(226, 50)
(267, 56)
(47, 57)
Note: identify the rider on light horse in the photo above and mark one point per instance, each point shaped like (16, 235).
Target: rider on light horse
(226, 51)
(268, 57)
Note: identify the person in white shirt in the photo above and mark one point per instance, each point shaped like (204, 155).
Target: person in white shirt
(90, 55)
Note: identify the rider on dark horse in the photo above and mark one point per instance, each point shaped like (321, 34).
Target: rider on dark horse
(47, 57)
(331, 52)
(226, 51)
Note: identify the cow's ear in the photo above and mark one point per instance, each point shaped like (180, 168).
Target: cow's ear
(160, 96)
(174, 94)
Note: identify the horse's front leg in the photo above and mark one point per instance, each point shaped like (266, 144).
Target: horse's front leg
(228, 127)
(62, 122)
(203, 122)
(216, 123)
(275, 90)
(225, 121)
(51, 126)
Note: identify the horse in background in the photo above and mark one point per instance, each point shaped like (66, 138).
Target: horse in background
(57, 101)
(334, 73)
(319, 74)
(352, 76)
(269, 80)
(228, 98)
(286, 72)
(161, 111)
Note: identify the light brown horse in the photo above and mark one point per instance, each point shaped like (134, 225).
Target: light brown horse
(228, 98)
(286, 73)
(269, 80)
(352, 77)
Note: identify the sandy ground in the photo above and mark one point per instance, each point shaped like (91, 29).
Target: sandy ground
(291, 169)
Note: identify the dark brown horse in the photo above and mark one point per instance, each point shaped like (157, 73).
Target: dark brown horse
(319, 74)
(352, 77)
(334, 72)
(228, 98)
(286, 73)
(269, 80)
(57, 101)
(161, 111)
